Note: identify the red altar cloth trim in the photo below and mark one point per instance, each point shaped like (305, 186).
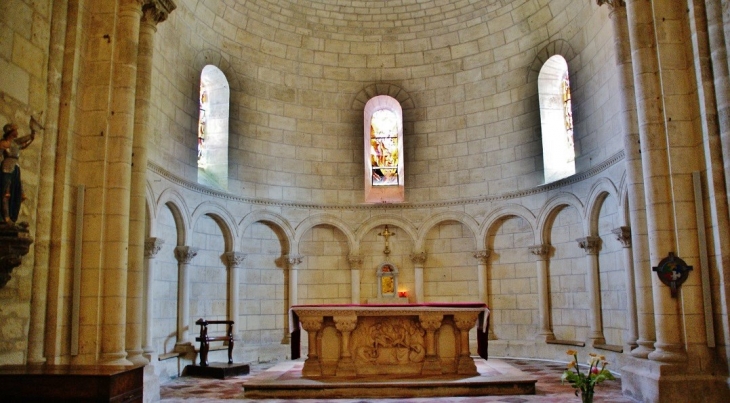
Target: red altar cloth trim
(482, 325)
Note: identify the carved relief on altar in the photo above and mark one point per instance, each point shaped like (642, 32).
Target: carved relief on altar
(388, 341)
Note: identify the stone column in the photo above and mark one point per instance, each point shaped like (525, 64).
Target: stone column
(465, 322)
(542, 252)
(151, 247)
(431, 322)
(634, 180)
(117, 184)
(233, 261)
(623, 235)
(653, 133)
(355, 267)
(591, 245)
(184, 255)
(311, 325)
(418, 260)
(294, 261)
(482, 257)
(152, 13)
(345, 324)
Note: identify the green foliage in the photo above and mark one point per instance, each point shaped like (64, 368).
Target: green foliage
(584, 382)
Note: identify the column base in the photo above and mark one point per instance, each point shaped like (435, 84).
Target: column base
(431, 366)
(136, 357)
(346, 367)
(668, 353)
(466, 366)
(115, 359)
(644, 349)
(545, 337)
(649, 381)
(312, 368)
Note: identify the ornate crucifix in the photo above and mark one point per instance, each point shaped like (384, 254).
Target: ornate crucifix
(386, 234)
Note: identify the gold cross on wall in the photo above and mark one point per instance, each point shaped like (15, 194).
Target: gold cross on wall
(386, 234)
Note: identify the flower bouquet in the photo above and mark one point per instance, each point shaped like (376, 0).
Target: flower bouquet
(585, 382)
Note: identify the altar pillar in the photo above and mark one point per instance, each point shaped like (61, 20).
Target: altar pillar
(355, 267)
(233, 261)
(152, 14)
(294, 262)
(591, 245)
(418, 260)
(311, 366)
(345, 324)
(151, 247)
(431, 322)
(623, 235)
(482, 257)
(184, 255)
(465, 322)
(541, 252)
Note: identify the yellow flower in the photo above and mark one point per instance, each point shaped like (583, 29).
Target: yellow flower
(571, 352)
(571, 364)
(602, 357)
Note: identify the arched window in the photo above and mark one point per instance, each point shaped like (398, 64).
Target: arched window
(213, 128)
(556, 118)
(383, 135)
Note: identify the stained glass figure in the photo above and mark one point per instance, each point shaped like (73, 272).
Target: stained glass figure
(384, 148)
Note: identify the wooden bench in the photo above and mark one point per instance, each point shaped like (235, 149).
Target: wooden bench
(205, 339)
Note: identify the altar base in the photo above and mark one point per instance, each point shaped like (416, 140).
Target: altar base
(285, 381)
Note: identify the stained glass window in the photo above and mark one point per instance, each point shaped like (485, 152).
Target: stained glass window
(384, 148)
(556, 118)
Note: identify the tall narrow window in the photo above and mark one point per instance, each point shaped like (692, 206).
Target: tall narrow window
(214, 99)
(556, 118)
(383, 135)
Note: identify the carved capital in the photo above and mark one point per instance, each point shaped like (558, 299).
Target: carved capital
(185, 254)
(355, 262)
(345, 323)
(294, 260)
(465, 320)
(623, 235)
(613, 4)
(311, 323)
(482, 255)
(540, 251)
(418, 258)
(591, 244)
(233, 259)
(156, 11)
(431, 321)
(152, 246)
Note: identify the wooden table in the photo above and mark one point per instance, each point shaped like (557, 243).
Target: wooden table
(415, 339)
(71, 383)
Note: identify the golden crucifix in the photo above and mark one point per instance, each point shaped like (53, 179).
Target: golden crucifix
(386, 234)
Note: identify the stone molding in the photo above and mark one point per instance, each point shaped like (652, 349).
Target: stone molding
(294, 260)
(612, 3)
(157, 11)
(204, 190)
(541, 251)
(355, 262)
(482, 255)
(418, 258)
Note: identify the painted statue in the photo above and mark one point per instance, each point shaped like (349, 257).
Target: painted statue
(10, 183)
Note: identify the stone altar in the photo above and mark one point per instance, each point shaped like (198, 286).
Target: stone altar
(405, 340)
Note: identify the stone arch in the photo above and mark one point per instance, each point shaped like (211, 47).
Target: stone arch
(557, 47)
(388, 219)
(457, 216)
(373, 90)
(550, 210)
(324, 219)
(222, 217)
(171, 199)
(214, 57)
(151, 212)
(503, 212)
(272, 218)
(597, 195)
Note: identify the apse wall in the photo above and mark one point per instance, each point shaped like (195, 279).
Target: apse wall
(465, 73)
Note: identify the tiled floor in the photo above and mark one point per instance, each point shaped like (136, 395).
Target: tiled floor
(549, 389)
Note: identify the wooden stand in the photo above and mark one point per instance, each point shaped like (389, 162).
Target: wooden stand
(215, 370)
